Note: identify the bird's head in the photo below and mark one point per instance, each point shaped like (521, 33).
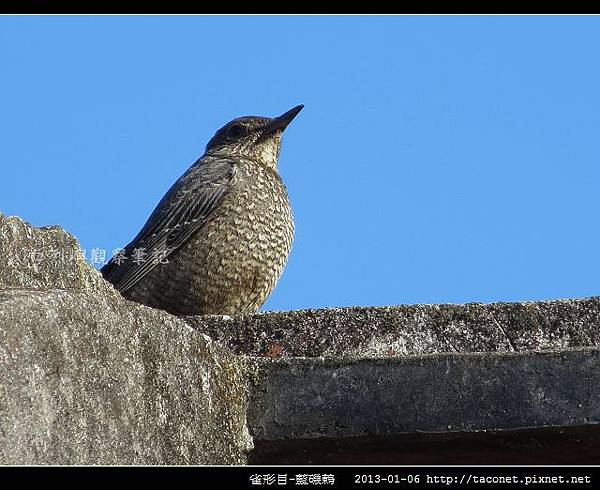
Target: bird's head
(253, 137)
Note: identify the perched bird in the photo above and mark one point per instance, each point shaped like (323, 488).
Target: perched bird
(220, 237)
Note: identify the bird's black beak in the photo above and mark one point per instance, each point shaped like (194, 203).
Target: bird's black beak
(284, 120)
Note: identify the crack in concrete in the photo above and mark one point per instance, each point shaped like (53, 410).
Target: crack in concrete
(510, 343)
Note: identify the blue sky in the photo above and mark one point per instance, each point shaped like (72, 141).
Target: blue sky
(439, 159)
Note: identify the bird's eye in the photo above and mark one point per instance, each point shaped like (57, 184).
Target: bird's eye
(236, 130)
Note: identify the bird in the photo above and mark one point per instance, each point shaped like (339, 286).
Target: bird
(219, 239)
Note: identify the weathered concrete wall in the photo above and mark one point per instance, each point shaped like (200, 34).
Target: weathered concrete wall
(323, 398)
(87, 377)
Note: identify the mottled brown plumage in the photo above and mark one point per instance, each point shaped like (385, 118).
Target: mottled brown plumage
(219, 239)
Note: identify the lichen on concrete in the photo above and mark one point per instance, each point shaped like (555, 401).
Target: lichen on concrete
(409, 330)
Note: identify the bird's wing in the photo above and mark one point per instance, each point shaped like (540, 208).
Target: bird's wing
(183, 210)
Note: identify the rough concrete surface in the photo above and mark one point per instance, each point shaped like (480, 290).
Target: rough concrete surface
(43, 258)
(397, 331)
(87, 377)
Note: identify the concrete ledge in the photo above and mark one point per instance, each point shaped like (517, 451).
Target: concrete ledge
(396, 331)
(327, 383)
(315, 398)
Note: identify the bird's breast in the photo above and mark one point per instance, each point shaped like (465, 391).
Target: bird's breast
(257, 212)
(250, 236)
